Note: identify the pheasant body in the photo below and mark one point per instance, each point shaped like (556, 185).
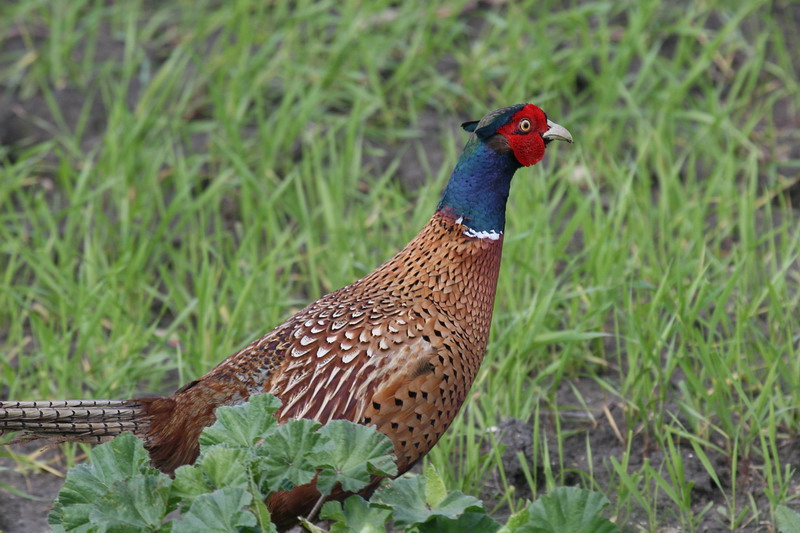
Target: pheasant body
(398, 349)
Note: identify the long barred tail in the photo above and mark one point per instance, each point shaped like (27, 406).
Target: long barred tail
(73, 420)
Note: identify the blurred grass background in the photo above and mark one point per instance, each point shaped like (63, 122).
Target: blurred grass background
(179, 177)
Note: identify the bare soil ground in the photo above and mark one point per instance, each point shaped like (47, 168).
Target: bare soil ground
(604, 427)
(20, 514)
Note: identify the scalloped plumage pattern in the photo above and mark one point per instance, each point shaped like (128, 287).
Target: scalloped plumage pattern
(398, 349)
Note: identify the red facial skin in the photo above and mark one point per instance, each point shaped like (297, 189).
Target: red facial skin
(528, 147)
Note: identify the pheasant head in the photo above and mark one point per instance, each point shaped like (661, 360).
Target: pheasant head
(501, 142)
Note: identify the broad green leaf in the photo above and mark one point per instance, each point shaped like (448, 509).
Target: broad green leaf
(263, 517)
(219, 512)
(435, 491)
(360, 453)
(787, 520)
(478, 521)
(86, 485)
(356, 516)
(120, 458)
(137, 504)
(75, 499)
(189, 483)
(570, 509)
(435, 495)
(242, 425)
(518, 522)
(217, 467)
(226, 467)
(289, 455)
(405, 497)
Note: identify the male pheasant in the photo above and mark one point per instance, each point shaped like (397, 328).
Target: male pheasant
(398, 349)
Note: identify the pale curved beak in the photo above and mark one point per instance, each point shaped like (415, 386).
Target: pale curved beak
(556, 133)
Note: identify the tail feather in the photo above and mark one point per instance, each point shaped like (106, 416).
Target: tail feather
(73, 420)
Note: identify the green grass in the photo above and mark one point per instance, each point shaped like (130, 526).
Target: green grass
(250, 162)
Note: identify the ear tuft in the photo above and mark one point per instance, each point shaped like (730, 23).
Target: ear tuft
(470, 126)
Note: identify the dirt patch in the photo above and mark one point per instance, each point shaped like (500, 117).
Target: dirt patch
(602, 430)
(20, 514)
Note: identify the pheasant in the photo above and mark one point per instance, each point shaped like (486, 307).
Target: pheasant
(398, 349)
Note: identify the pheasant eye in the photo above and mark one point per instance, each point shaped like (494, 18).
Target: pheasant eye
(525, 125)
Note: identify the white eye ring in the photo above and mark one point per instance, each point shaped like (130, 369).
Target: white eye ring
(525, 125)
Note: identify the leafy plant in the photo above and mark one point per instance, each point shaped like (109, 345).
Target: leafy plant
(787, 520)
(564, 509)
(247, 455)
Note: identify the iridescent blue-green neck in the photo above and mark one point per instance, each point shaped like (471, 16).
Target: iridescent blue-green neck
(478, 188)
